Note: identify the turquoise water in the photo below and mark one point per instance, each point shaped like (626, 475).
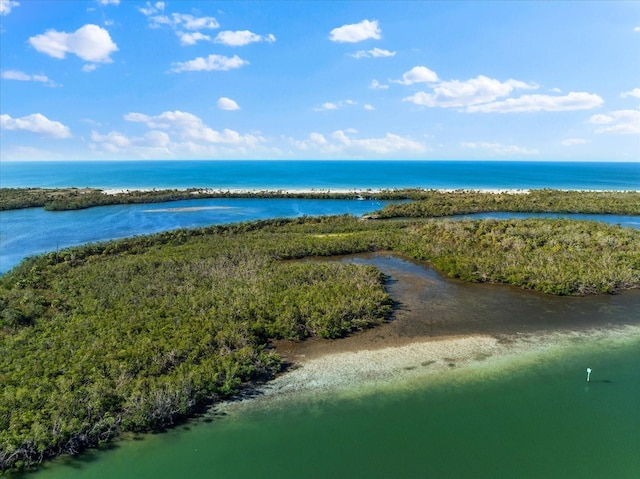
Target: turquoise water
(323, 174)
(33, 231)
(541, 421)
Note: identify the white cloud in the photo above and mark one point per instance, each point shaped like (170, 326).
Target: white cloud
(637, 29)
(182, 21)
(109, 2)
(635, 93)
(21, 76)
(88, 67)
(7, 5)
(499, 148)
(212, 62)
(369, 107)
(90, 42)
(150, 9)
(36, 123)
(176, 134)
(374, 53)
(341, 144)
(334, 105)
(418, 74)
(376, 85)
(457, 94)
(242, 37)
(192, 38)
(317, 138)
(532, 103)
(356, 32)
(574, 141)
(620, 121)
(190, 127)
(227, 104)
(153, 144)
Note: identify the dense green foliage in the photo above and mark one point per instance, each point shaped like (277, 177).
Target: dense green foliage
(432, 204)
(427, 203)
(135, 334)
(122, 337)
(60, 199)
(552, 256)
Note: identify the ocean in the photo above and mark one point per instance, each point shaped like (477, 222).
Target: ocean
(534, 417)
(323, 175)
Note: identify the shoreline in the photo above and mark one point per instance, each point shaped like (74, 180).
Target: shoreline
(423, 363)
(318, 191)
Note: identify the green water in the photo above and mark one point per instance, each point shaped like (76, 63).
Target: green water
(538, 419)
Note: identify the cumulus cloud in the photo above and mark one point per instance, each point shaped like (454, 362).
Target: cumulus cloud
(186, 27)
(176, 134)
(635, 93)
(90, 42)
(109, 2)
(499, 148)
(212, 62)
(620, 121)
(418, 74)
(225, 103)
(242, 37)
(150, 9)
(341, 143)
(192, 38)
(532, 103)
(334, 105)
(374, 53)
(187, 126)
(21, 76)
(181, 21)
(376, 85)
(488, 95)
(7, 5)
(36, 123)
(456, 93)
(356, 32)
(574, 141)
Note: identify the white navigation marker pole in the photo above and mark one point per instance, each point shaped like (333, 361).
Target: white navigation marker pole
(588, 373)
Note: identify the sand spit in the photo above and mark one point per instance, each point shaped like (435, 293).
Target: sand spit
(189, 209)
(419, 364)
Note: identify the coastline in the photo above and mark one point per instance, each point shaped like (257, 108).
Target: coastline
(429, 342)
(334, 372)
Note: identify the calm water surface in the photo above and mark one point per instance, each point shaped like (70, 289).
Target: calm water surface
(302, 174)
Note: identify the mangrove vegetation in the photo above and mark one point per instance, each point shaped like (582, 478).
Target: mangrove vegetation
(140, 333)
(425, 203)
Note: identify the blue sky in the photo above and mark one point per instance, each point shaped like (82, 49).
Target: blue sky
(109, 79)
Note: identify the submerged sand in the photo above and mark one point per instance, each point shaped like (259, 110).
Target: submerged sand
(419, 364)
(444, 331)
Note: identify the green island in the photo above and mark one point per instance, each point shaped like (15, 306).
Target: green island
(142, 333)
(425, 203)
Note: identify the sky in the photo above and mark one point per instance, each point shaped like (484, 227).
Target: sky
(429, 80)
